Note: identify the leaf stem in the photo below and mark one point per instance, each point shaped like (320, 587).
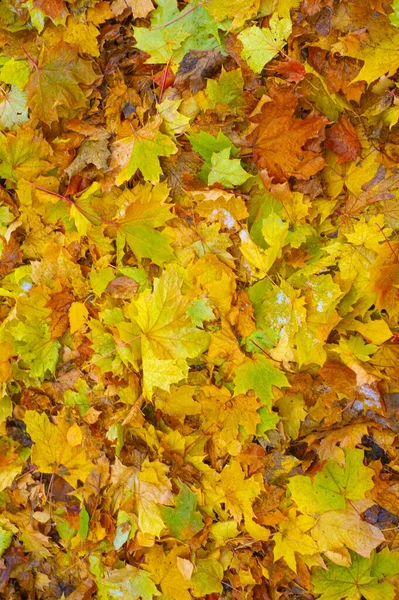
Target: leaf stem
(32, 60)
(181, 16)
(80, 208)
(388, 242)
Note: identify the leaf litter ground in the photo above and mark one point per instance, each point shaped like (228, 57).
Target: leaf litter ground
(199, 265)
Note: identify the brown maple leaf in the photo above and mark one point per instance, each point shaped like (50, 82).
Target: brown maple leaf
(52, 8)
(10, 257)
(59, 303)
(291, 70)
(279, 141)
(338, 72)
(343, 140)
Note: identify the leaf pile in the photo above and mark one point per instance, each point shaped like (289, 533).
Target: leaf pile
(199, 265)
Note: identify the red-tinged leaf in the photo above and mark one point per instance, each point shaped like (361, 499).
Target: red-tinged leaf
(343, 140)
(279, 139)
(52, 8)
(291, 70)
(165, 78)
(54, 87)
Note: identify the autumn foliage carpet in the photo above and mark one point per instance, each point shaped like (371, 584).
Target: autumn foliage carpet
(199, 299)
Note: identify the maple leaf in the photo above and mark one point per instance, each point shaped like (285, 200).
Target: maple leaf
(183, 521)
(140, 8)
(333, 484)
(260, 46)
(226, 171)
(207, 578)
(361, 579)
(141, 217)
(54, 85)
(238, 10)
(384, 278)
(168, 337)
(204, 326)
(228, 89)
(174, 33)
(259, 375)
(5, 540)
(378, 50)
(51, 453)
(23, 155)
(52, 8)
(15, 72)
(142, 151)
(342, 139)
(173, 122)
(31, 338)
(292, 538)
(337, 529)
(279, 140)
(13, 109)
(238, 491)
(128, 582)
(11, 463)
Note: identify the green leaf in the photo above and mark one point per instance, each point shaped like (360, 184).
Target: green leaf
(394, 17)
(268, 422)
(146, 148)
(227, 90)
(15, 72)
(259, 375)
(385, 564)
(84, 521)
(5, 540)
(208, 578)
(174, 33)
(351, 582)
(199, 311)
(127, 582)
(260, 46)
(333, 484)
(206, 144)
(226, 171)
(139, 224)
(34, 346)
(183, 521)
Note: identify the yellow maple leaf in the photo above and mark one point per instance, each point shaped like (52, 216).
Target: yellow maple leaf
(52, 453)
(238, 491)
(338, 529)
(168, 336)
(78, 314)
(291, 538)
